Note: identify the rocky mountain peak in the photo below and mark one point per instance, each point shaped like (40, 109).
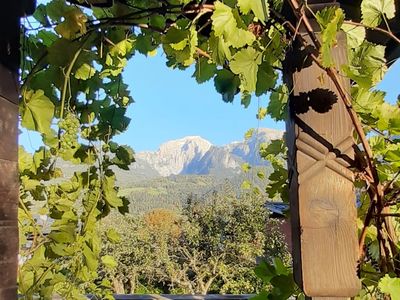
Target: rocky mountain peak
(189, 143)
(173, 156)
(195, 155)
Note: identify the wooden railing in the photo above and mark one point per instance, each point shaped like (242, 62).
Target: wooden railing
(179, 297)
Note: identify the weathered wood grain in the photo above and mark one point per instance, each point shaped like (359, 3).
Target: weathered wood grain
(8, 130)
(9, 186)
(321, 185)
(8, 85)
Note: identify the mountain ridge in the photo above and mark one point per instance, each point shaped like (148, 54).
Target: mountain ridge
(194, 155)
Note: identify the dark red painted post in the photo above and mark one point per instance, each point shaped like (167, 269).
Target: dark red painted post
(10, 13)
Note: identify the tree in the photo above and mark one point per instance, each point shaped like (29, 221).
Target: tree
(73, 93)
(211, 246)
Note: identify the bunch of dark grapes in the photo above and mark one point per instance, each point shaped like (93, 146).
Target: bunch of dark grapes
(69, 126)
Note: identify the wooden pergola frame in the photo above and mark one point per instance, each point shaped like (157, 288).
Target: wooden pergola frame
(321, 187)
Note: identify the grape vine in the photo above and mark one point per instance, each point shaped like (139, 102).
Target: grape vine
(74, 95)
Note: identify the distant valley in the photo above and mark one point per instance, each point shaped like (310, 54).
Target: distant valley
(194, 155)
(189, 167)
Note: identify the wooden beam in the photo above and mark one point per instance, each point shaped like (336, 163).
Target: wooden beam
(322, 197)
(9, 184)
(10, 14)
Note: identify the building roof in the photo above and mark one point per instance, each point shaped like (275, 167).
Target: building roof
(277, 209)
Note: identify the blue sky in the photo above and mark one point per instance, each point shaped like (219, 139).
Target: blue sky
(169, 104)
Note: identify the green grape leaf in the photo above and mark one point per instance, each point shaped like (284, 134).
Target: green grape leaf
(122, 48)
(85, 72)
(368, 103)
(387, 113)
(61, 52)
(113, 146)
(123, 157)
(219, 49)
(393, 154)
(90, 257)
(204, 70)
(275, 147)
(26, 280)
(249, 133)
(114, 117)
(394, 126)
(261, 295)
(177, 38)
(37, 111)
(266, 78)
(246, 167)
(174, 35)
(367, 64)
(157, 21)
(125, 154)
(24, 160)
(262, 112)
(374, 11)
(65, 236)
(124, 208)
(280, 268)
(277, 106)
(224, 24)
(277, 4)
(180, 45)
(227, 84)
(38, 257)
(41, 16)
(260, 8)
(245, 64)
(73, 25)
(245, 99)
(283, 286)
(240, 38)
(223, 21)
(144, 43)
(246, 185)
(113, 236)
(30, 184)
(56, 9)
(265, 271)
(330, 19)
(47, 37)
(109, 261)
(390, 286)
(50, 139)
(110, 193)
(355, 35)
(277, 187)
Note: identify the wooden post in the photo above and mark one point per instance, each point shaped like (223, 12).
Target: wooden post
(9, 185)
(322, 197)
(10, 14)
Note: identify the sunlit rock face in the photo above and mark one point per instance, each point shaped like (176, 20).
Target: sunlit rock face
(248, 150)
(174, 156)
(195, 155)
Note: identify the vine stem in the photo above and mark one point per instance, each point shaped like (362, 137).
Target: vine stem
(390, 215)
(392, 181)
(43, 275)
(386, 32)
(29, 215)
(66, 80)
(377, 193)
(299, 12)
